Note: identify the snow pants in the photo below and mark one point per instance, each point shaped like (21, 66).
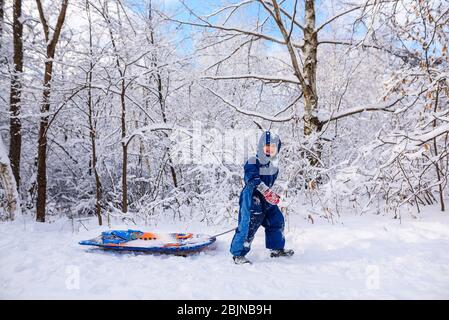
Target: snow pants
(254, 212)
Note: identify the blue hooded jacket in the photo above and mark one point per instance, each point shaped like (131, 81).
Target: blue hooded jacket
(262, 168)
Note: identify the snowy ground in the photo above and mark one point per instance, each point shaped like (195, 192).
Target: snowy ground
(361, 257)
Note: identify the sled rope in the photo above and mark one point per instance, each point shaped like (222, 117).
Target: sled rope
(220, 234)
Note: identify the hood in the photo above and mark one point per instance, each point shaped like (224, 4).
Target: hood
(266, 138)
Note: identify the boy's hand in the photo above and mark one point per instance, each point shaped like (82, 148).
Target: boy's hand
(271, 197)
(268, 194)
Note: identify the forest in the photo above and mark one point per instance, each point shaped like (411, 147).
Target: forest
(142, 114)
(99, 98)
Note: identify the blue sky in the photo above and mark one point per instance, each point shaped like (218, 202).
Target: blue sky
(249, 12)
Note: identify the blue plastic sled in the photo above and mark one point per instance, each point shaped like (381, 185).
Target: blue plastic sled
(135, 240)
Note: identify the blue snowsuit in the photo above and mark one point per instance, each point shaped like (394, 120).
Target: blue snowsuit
(254, 209)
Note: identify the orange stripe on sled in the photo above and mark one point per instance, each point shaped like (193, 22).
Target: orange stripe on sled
(184, 236)
(113, 244)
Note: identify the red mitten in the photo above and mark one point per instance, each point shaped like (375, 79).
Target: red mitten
(271, 197)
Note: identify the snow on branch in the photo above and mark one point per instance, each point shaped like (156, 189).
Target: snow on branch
(425, 137)
(400, 54)
(229, 7)
(253, 76)
(206, 24)
(355, 110)
(150, 128)
(285, 13)
(252, 113)
(258, 35)
(341, 14)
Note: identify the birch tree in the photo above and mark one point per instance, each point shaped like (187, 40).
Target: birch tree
(300, 38)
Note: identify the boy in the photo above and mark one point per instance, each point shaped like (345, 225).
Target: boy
(258, 203)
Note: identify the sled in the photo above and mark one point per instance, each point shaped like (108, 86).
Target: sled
(135, 240)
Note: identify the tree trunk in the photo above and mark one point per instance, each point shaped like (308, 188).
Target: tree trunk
(123, 114)
(92, 125)
(124, 149)
(307, 75)
(2, 19)
(311, 122)
(42, 144)
(92, 129)
(164, 118)
(435, 149)
(161, 96)
(45, 108)
(15, 127)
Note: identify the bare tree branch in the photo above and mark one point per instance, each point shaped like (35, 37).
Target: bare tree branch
(253, 76)
(249, 112)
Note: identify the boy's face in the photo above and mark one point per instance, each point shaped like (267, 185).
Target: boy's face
(270, 149)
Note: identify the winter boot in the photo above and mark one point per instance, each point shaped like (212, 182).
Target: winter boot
(240, 260)
(281, 253)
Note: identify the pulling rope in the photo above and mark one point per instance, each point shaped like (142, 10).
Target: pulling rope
(220, 234)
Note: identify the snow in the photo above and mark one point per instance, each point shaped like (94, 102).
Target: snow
(3, 153)
(368, 257)
(8, 183)
(422, 138)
